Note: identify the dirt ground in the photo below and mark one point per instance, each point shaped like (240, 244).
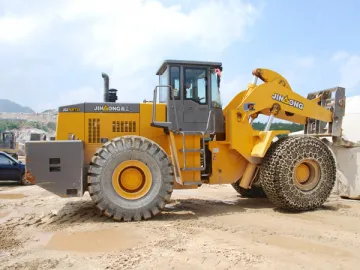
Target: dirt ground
(208, 228)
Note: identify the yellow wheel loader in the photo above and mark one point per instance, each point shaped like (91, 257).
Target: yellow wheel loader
(131, 156)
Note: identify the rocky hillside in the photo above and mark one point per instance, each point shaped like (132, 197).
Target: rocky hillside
(24, 128)
(9, 106)
(23, 121)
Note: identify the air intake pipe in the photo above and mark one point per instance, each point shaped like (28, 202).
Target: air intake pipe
(106, 86)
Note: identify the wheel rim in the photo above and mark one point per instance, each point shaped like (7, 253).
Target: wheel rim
(132, 179)
(307, 175)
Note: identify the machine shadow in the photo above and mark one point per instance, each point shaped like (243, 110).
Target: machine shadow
(331, 208)
(81, 211)
(196, 208)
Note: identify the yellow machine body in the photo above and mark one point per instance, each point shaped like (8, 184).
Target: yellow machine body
(242, 148)
(130, 157)
(91, 127)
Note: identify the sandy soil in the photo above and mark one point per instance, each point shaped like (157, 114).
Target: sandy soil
(209, 228)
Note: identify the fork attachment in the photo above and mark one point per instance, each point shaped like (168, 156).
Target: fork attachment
(332, 99)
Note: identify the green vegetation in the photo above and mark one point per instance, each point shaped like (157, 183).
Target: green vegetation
(279, 126)
(9, 124)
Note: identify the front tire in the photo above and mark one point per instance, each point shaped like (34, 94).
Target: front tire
(130, 178)
(298, 173)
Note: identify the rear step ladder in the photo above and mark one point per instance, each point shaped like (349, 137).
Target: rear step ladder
(185, 150)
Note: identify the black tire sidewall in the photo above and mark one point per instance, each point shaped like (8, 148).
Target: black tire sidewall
(113, 153)
(106, 179)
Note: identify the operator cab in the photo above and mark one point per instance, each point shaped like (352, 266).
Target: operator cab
(191, 91)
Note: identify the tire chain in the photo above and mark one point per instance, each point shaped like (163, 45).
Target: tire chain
(276, 173)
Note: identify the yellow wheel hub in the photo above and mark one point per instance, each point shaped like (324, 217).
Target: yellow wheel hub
(132, 179)
(307, 175)
(302, 173)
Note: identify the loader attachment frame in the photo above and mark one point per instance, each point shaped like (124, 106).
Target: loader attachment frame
(334, 100)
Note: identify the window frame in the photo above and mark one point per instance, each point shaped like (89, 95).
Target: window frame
(219, 106)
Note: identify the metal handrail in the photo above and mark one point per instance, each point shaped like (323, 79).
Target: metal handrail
(208, 123)
(154, 106)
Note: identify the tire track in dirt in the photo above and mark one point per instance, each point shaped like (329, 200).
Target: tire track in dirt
(271, 234)
(9, 239)
(38, 264)
(201, 233)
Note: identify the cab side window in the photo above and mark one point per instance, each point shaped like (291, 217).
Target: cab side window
(175, 81)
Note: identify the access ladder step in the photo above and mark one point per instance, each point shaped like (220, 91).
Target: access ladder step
(192, 150)
(192, 169)
(198, 183)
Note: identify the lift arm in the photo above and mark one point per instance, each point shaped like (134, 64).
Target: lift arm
(276, 99)
(319, 113)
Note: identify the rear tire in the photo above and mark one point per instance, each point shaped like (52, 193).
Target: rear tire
(254, 192)
(298, 173)
(130, 178)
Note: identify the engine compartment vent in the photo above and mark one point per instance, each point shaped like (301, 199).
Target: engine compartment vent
(124, 126)
(94, 130)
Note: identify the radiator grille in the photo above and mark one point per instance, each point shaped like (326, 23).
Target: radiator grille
(94, 130)
(124, 126)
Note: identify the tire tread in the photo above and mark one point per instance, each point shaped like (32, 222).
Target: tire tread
(99, 161)
(276, 173)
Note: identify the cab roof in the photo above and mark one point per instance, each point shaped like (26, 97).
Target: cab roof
(187, 63)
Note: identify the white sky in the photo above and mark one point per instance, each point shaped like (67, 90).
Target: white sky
(53, 52)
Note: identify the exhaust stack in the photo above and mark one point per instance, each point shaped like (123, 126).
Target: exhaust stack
(106, 86)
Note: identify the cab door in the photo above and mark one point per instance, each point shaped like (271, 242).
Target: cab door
(195, 95)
